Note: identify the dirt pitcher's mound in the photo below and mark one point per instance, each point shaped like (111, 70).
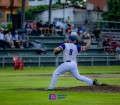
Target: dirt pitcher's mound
(106, 88)
(101, 88)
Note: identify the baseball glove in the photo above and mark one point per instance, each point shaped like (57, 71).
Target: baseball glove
(56, 53)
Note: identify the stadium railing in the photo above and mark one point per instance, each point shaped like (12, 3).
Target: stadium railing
(40, 61)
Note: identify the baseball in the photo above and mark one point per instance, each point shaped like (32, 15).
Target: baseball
(88, 36)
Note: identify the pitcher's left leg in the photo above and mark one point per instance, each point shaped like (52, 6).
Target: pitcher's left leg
(60, 70)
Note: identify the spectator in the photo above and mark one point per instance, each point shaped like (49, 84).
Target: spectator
(97, 35)
(113, 46)
(118, 51)
(28, 28)
(40, 27)
(46, 29)
(24, 40)
(68, 20)
(53, 30)
(59, 25)
(33, 25)
(8, 38)
(69, 29)
(3, 43)
(16, 40)
(80, 35)
(106, 45)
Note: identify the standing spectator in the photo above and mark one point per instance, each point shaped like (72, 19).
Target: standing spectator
(24, 40)
(97, 34)
(8, 38)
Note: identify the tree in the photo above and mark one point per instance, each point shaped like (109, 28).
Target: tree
(113, 13)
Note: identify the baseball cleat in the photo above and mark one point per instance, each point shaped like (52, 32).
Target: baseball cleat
(49, 89)
(95, 82)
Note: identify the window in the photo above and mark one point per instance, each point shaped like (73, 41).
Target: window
(8, 17)
(31, 0)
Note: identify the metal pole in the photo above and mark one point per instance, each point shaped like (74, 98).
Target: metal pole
(3, 61)
(63, 12)
(50, 11)
(23, 14)
(39, 61)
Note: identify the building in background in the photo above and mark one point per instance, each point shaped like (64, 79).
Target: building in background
(40, 2)
(96, 5)
(5, 8)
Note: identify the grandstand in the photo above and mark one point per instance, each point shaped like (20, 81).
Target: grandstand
(92, 57)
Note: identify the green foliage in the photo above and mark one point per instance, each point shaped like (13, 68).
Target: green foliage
(74, 1)
(113, 13)
(30, 12)
(9, 26)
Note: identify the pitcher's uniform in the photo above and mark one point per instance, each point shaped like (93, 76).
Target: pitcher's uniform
(70, 50)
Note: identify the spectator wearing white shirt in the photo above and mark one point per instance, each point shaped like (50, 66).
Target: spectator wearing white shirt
(8, 38)
(59, 25)
(3, 43)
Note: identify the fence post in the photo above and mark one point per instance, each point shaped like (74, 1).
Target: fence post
(56, 61)
(92, 61)
(3, 62)
(107, 61)
(39, 61)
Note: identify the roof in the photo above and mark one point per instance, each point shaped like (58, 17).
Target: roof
(98, 3)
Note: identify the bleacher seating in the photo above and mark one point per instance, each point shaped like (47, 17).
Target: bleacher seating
(93, 56)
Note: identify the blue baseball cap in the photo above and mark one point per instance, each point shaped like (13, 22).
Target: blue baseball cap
(72, 38)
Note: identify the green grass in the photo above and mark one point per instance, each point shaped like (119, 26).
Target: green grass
(11, 81)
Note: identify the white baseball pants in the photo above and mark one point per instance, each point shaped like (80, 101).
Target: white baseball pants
(69, 67)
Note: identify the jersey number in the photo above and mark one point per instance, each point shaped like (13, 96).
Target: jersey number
(71, 51)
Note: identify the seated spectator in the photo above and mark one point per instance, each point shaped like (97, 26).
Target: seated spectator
(113, 46)
(118, 51)
(97, 35)
(80, 35)
(106, 45)
(8, 38)
(40, 27)
(59, 25)
(69, 29)
(46, 29)
(16, 39)
(24, 40)
(33, 25)
(28, 28)
(52, 30)
(68, 20)
(3, 43)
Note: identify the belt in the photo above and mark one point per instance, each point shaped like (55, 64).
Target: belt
(68, 61)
